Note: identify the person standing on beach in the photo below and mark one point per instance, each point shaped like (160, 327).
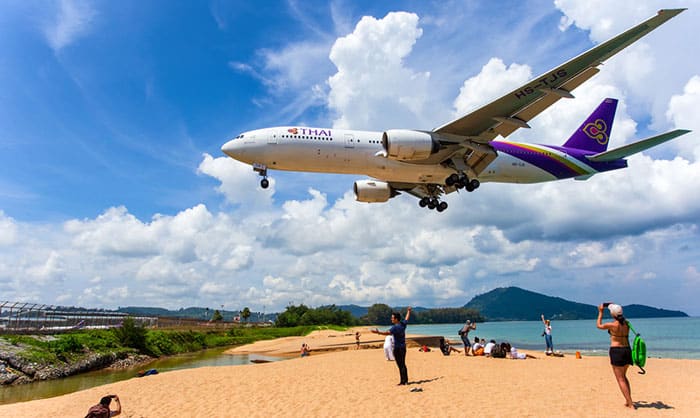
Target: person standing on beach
(101, 410)
(620, 351)
(548, 335)
(398, 330)
(464, 335)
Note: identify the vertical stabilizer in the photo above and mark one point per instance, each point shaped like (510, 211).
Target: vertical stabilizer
(594, 133)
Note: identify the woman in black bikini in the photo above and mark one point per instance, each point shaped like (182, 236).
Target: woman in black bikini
(620, 351)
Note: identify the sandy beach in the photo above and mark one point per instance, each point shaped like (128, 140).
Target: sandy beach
(361, 383)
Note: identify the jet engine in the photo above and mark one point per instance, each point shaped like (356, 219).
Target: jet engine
(372, 191)
(406, 145)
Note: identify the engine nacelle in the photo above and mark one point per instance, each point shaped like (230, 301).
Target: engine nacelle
(372, 191)
(406, 145)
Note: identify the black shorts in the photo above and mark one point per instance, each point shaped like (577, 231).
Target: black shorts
(620, 356)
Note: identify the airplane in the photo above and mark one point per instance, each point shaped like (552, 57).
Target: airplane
(465, 152)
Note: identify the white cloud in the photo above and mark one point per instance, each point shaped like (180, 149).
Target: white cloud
(683, 110)
(236, 179)
(8, 230)
(492, 82)
(73, 20)
(373, 88)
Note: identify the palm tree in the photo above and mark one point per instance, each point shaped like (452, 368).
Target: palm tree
(245, 314)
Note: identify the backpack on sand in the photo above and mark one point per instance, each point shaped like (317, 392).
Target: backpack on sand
(639, 350)
(498, 352)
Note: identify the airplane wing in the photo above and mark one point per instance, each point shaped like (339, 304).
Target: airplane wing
(505, 115)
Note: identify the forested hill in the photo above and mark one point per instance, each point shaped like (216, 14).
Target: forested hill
(516, 304)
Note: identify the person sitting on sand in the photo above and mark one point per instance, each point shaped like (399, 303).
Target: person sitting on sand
(477, 348)
(101, 410)
(305, 350)
(488, 347)
(446, 348)
(519, 356)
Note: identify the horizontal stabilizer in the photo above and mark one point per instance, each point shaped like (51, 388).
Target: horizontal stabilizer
(639, 146)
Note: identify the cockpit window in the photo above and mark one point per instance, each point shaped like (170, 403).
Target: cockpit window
(239, 136)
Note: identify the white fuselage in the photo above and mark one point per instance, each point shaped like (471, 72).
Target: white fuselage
(358, 152)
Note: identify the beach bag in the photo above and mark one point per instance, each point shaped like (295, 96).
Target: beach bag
(639, 350)
(498, 352)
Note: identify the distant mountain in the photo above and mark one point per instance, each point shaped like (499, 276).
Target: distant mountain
(516, 304)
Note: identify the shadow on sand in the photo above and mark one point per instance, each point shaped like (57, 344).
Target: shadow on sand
(655, 405)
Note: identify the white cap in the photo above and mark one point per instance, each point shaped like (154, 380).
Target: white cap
(615, 310)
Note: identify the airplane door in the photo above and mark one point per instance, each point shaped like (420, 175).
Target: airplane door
(349, 141)
(272, 138)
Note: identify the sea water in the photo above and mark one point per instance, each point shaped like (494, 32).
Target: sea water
(665, 337)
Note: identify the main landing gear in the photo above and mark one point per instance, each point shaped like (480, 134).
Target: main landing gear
(432, 203)
(261, 169)
(462, 182)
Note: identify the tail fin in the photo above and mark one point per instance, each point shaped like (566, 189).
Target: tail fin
(593, 134)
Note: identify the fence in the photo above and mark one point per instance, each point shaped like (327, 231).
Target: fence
(26, 318)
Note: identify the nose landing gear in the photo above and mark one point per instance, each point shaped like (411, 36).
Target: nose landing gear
(261, 169)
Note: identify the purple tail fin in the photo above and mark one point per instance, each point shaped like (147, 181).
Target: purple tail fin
(593, 134)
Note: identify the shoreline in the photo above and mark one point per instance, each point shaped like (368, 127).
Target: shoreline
(351, 382)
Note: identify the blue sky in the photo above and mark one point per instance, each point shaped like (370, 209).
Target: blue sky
(113, 190)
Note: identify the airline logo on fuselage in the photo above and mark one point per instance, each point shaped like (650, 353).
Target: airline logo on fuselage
(597, 130)
(310, 132)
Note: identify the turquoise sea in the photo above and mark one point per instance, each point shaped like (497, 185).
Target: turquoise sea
(665, 337)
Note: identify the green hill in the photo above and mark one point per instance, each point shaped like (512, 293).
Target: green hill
(516, 304)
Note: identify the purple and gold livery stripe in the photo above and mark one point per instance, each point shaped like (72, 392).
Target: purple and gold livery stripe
(545, 158)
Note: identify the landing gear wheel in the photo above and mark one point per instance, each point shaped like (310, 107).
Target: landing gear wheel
(475, 184)
(432, 203)
(264, 183)
(452, 180)
(442, 206)
(469, 187)
(423, 202)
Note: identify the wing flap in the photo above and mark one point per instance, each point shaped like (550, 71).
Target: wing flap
(639, 146)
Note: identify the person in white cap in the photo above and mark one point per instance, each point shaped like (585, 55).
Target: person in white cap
(620, 351)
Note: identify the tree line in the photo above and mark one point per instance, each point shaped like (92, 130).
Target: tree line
(377, 314)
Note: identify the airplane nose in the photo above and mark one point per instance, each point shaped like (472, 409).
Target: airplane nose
(231, 148)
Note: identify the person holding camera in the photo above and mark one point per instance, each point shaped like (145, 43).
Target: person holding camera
(620, 351)
(547, 333)
(101, 410)
(464, 335)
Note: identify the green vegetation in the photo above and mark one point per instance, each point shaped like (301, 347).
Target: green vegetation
(131, 338)
(245, 314)
(303, 315)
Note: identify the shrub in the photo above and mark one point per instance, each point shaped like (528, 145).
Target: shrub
(130, 334)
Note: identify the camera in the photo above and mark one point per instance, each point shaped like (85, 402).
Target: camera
(606, 304)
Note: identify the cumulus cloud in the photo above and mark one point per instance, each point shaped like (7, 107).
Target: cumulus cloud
(73, 20)
(8, 230)
(373, 88)
(494, 80)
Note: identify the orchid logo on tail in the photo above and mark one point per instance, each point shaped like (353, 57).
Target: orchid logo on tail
(597, 130)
